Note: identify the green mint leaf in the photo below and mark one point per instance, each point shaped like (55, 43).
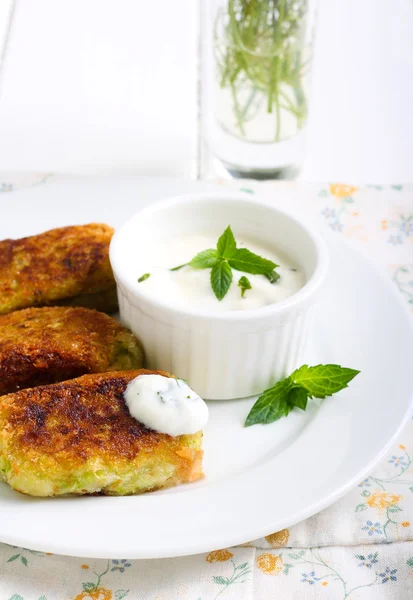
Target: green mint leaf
(306, 382)
(323, 380)
(244, 284)
(226, 244)
(204, 260)
(298, 397)
(179, 267)
(221, 278)
(143, 277)
(271, 405)
(248, 262)
(272, 277)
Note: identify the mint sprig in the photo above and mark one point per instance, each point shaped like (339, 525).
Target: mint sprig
(227, 257)
(303, 384)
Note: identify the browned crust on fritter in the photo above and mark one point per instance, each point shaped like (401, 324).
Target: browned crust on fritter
(78, 419)
(46, 345)
(61, 263)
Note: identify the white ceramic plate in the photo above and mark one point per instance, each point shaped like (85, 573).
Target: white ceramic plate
(258, 480)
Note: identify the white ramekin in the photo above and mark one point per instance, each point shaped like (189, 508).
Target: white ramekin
(227, 354)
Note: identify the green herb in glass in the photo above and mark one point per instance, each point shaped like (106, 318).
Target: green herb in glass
(260, 58)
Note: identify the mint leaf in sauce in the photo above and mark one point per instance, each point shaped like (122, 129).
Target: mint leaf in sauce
(221, 278)
(226, 244)
(248, 262)
(205, 259)
(244, 284)
(227, 257)
(273, 277)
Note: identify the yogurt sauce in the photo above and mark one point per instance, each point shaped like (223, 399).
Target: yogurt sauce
(191, 288)
(166, 405)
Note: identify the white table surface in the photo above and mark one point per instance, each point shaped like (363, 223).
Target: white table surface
(105, 86)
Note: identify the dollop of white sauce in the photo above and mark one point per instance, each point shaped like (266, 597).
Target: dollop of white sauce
(191, 288)
(166, 405)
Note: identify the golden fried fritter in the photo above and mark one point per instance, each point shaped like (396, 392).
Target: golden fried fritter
(51, 344)
(78, 437)
(69, 265)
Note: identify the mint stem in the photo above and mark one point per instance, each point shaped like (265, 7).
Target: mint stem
(180, 267)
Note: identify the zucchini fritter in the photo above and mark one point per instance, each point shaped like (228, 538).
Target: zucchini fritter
(69, 265)
(78, 437)
(51, 344)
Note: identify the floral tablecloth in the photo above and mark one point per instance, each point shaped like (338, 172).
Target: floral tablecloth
(359, 548)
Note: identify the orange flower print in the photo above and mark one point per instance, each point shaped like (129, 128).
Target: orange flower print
(95, 591)
(382, 500)
(384, 225)
(340, 190)
(324, 583)
(278, 539)
(402, 447)
(247, 545)
(406, 524)
(95, 594)
(219, 556)
(270, 564)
